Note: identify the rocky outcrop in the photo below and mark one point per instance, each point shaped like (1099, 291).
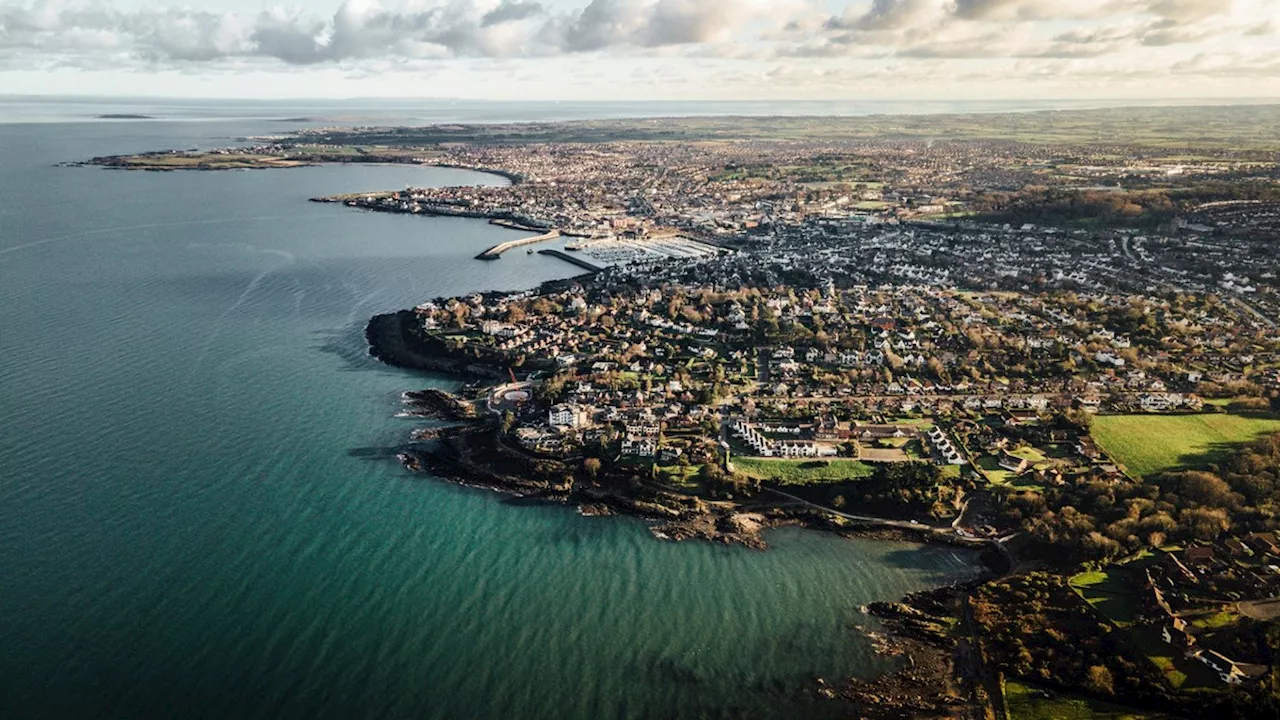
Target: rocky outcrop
(393, 339)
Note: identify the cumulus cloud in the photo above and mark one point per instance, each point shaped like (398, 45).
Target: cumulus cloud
(93, 32)
(365, 29)
(511, 11)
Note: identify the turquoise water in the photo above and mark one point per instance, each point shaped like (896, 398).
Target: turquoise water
(197, 517)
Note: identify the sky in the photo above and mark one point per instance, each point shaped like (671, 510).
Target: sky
(644, 49)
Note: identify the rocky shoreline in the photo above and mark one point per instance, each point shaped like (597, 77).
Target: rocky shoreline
(942, 675)
(472, 456)
(393, 340)
(390, 340)
(939, 678)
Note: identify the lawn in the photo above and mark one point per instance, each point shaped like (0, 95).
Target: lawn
(996, 475)
(1215, 621)
(1150, 444)
(1181, 672)
(1026, 702)
(1028, 453)
(1109, 594)
(686, 475)
(990, 465)
(802, 472)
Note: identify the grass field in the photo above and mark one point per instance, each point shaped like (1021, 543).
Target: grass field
(686, 476)
(802, 472)
(1028, 453)
(1030, 703)
(1109, 594)
(1150, 444)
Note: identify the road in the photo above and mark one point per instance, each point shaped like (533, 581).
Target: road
(1266, 609)
(1255, 312)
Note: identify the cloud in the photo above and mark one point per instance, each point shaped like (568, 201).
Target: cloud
(882, 15)
(601, 24)
(683, 22)
(511, 11)
(1262, 29)
(96, 33)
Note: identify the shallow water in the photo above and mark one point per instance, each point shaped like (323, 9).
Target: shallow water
(196, 517)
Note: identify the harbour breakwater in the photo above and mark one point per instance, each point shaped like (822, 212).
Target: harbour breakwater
(591, 267)
(496, 251)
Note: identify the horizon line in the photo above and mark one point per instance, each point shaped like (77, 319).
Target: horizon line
(1241, 99)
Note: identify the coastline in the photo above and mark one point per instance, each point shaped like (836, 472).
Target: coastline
(213, 160)
(470, 455)
(938, 673)
(455, 454)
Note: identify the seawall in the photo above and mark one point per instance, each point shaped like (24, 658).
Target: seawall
(592, 267)
(496, 251)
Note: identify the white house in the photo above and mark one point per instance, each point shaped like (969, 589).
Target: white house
(567, 415)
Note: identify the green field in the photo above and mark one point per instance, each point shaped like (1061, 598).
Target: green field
(1028, 702)
(1109, 594)
(802, 472)
(1028, 453)
(684, 476)
(1031, 703)
(1150, 444)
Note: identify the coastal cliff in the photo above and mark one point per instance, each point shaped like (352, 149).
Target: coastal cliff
(394, 340)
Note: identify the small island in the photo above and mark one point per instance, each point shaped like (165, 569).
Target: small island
(124, 116)
(1047, 337)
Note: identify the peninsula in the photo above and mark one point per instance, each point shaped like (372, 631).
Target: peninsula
(1047, 336)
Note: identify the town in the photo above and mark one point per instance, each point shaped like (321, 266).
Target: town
(1061, 353)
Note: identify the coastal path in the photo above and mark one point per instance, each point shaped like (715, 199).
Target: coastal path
(886, 522)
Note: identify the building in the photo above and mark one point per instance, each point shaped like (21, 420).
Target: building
(1013, 463)
(1228, 671)
(568, 415)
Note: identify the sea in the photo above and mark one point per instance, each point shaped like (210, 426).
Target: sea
(200, 510)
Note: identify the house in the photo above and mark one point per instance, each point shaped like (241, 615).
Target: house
(1198, 556)
(669, 455)
(1175, 633)
(567, 415)
(1228, 671)
(1236, 549)
(640, 446)
(1013, 463)
(1088, 448)
(1174, 567)
(1263, 542)
(797, 448)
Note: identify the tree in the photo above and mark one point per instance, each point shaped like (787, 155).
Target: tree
(592, 466)
(1099, 680)
(1205, 489)
(1204, 523)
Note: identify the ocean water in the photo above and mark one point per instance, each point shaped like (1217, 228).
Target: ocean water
(198, 517)
(284, 113)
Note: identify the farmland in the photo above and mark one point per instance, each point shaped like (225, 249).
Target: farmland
(1151, 444)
